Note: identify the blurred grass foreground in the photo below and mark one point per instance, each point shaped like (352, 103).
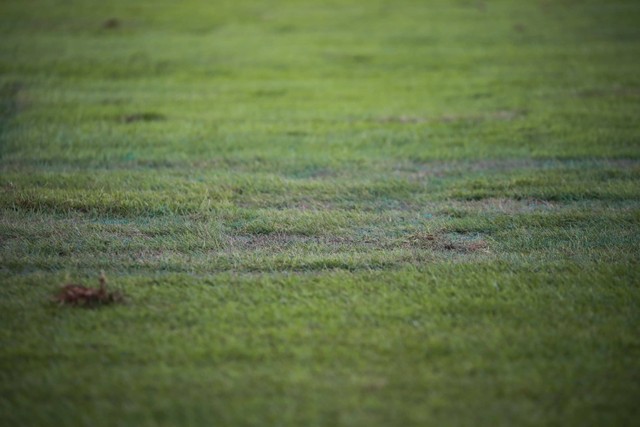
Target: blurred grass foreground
(322, 213)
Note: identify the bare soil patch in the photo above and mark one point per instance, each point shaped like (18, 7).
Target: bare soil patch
(446, 243)
(143, 117)
(111, 23)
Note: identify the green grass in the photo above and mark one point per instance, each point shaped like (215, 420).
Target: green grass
(322, 213)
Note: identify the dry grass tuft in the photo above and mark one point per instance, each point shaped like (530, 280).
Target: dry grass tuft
(83, 296)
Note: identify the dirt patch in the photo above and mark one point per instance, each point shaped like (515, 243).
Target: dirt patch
(111, 24)
(142, 117)
(282, 241)
(446, 243)
(519, 28)
(441, 242)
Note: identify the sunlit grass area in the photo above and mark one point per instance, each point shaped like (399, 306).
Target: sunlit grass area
(321, 213)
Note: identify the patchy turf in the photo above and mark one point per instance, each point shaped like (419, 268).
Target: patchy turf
(331, 213)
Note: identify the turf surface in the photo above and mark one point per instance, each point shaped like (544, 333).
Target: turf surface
(322, 213)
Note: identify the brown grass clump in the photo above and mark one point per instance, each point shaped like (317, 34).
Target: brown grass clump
(110, 24)
(83, 296)
(440, 242)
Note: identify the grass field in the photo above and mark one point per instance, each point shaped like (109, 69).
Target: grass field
(323, 213)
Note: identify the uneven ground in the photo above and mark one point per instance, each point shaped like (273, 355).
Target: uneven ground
(351, 213)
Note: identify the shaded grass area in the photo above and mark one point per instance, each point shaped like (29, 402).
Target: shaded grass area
(327, 213)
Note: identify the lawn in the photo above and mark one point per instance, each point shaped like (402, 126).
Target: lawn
(322, 213)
